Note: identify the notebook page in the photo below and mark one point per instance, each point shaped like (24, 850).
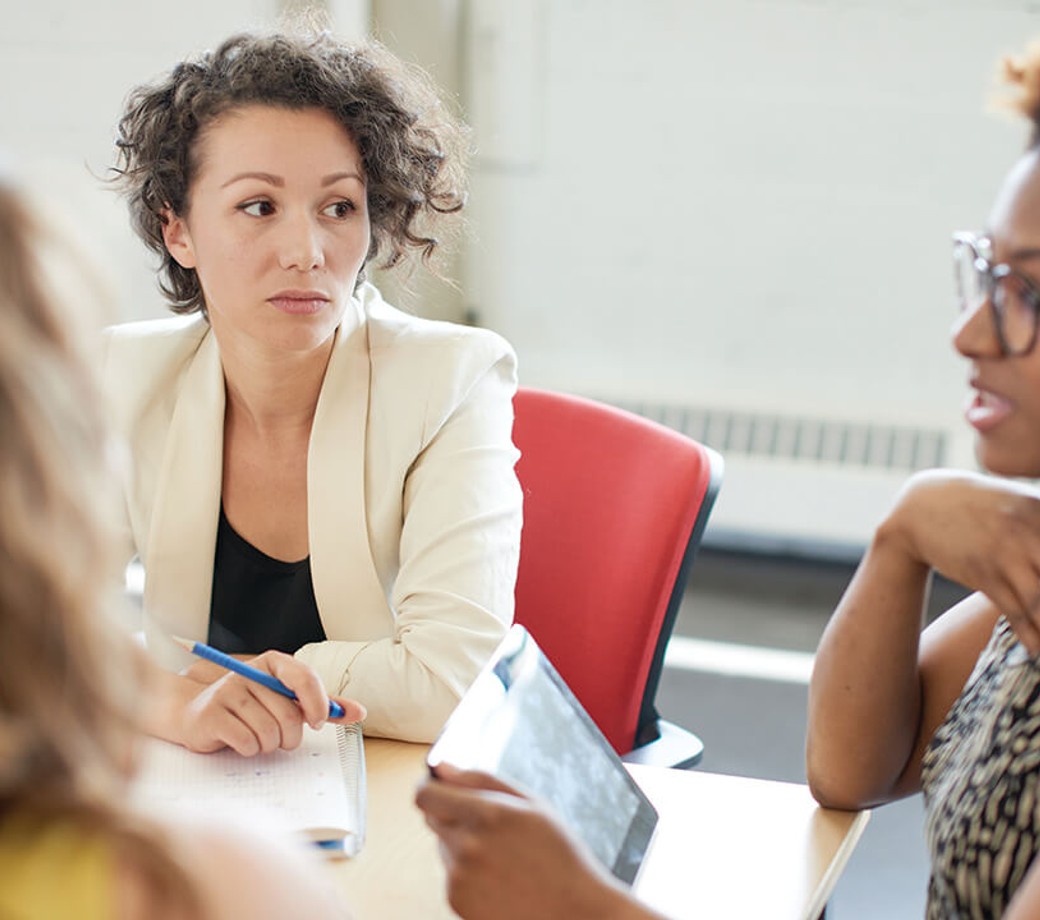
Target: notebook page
(317, 789)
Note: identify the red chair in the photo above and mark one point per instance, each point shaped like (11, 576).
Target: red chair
(614, 509)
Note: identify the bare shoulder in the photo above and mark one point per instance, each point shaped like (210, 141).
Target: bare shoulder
(1025, 905)
(950, 648)
(243, 873)
(952, 644)
(240, 870)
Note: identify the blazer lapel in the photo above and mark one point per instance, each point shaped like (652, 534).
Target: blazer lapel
(351, 599)
(179, 567)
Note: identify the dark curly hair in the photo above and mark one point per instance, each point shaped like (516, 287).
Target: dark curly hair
(412, 147)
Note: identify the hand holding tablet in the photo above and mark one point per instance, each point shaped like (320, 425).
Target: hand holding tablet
(521, 723)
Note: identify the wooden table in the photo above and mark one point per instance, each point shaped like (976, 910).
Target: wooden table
(725, 846)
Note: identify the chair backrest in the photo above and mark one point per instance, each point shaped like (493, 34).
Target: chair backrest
(614, 509)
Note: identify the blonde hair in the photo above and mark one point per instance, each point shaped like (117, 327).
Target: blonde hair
(66, 685)
(1020, 76)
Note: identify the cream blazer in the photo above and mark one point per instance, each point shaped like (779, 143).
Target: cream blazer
(414, 509)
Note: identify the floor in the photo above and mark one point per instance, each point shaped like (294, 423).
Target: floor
(756, 727)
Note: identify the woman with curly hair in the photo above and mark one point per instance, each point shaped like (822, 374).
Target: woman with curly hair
(954, 710)
(70, 845)
(320, 482)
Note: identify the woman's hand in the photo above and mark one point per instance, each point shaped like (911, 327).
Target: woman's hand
(233, 711)
(980, 532)
(507, 857)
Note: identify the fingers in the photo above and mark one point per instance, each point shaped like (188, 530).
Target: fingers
(1024, 618)
(240, 735)
(1017, 595)
(473, 779)
(240, 714)
(981, 533)
(310, 692)
(251, 719)
(457, 816)
(353, 711)
(479, 800)
(211, 726)
(1026, 632)
(506, 857)
(302, 680)
(445, 806)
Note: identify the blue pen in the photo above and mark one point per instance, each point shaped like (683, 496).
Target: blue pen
(240, 667)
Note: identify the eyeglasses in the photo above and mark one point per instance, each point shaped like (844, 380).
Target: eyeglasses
(1014, 298)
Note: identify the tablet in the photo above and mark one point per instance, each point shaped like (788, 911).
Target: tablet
(520, 722)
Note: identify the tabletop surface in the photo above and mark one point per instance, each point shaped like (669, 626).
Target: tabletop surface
(724, 845)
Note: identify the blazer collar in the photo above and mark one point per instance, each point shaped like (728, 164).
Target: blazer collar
(351, 599)
(187, 504)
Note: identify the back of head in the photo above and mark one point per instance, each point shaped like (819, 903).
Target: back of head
(1020, 75)
(55, 566)
(67, 683)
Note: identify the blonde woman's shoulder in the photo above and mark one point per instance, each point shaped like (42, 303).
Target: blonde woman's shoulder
(246, 869)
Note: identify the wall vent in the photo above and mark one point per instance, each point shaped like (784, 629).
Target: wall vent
(801, 486)
(829, 442)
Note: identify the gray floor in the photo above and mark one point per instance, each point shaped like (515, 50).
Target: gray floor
(756, 728)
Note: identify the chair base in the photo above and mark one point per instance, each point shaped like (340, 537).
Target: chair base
(674, 747)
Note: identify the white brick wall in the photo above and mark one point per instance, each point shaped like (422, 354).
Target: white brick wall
(746, 202)
(65, 69)
(733, 203)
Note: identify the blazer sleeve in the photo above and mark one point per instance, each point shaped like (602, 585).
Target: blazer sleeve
(142, 366)
(112, 385)
(452, 598)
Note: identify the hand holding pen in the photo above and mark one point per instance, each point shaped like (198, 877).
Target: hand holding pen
(243, 715)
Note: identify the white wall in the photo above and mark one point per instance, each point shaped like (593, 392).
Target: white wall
(429, 34)
(743, 204)
(66, 68)
(746, 201)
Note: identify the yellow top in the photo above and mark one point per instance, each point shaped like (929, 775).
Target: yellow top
(53, 870)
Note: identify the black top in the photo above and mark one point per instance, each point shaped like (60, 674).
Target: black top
(259, 603)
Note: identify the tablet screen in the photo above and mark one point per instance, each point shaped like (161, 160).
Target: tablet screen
(520, 722)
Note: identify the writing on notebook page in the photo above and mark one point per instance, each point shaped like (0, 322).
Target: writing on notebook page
(317, 790)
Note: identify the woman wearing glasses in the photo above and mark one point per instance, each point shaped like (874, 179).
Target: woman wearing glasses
(954, 711)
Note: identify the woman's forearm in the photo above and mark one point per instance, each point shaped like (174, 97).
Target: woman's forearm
(168, 694)
(865, 693)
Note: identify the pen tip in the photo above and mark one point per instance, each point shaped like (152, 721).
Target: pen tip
(186, 644)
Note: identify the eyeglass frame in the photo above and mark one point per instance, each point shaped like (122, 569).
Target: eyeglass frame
(993, 274)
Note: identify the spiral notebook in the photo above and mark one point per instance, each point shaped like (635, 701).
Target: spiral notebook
(317, 790)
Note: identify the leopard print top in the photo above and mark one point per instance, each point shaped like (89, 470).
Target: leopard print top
(980, 776)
